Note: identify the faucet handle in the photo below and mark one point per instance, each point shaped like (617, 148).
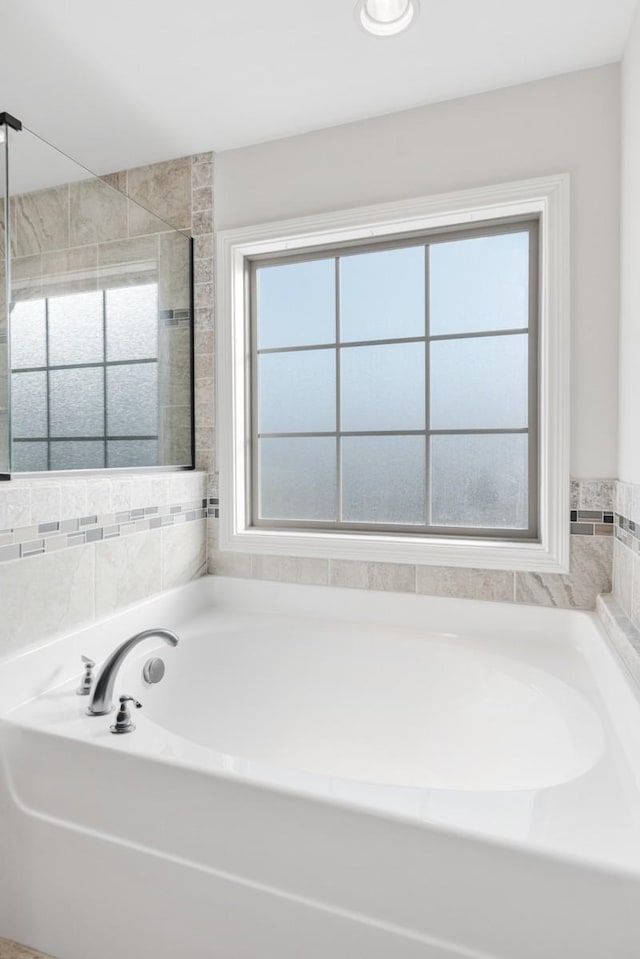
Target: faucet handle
(124, 723)
(86, 682)
(130, 699)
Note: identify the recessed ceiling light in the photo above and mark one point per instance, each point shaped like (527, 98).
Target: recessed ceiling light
(384, 18)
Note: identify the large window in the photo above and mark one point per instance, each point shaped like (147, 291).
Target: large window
(393, 381)
(394, 385)
(84, 380)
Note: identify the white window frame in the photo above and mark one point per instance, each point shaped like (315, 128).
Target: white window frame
(546, 197)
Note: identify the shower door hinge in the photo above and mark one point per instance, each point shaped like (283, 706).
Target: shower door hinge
(10, 121)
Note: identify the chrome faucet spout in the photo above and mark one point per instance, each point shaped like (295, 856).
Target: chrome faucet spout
(102, 693)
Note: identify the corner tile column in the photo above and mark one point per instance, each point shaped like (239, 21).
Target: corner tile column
(202, 231)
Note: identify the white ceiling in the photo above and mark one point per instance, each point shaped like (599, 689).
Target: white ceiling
(118, 83)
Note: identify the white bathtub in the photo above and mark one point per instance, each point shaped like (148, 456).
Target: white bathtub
(326, 774)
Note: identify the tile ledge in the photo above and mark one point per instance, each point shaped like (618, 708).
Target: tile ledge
(623, 635)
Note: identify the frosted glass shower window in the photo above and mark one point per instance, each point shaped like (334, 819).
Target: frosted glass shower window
(383, 479)
(30, 457)
(383, 387)
(28, 334)
(132, 399)
(132, 322)
(132, 453)
(297, 391)
(84, 380)
(479, 383)
(394, 385)
(76, 332)
(76, 402)
(77, 455)
(480, 480)
(296, 303)
(29, 404)
(382, 294)
(299, 477)
(480, 283)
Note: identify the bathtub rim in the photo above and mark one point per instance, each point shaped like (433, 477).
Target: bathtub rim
(46, 664)
(198, 597)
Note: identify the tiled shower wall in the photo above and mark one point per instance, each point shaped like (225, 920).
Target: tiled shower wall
(620, 611)
(86, 236)
(88, 548)
(626, 552)
(75, 550)
(591, 523)
(71, 549)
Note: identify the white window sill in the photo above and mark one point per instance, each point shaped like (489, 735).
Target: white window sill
(416, 550)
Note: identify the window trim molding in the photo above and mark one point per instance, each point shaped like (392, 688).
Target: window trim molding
(549, 197)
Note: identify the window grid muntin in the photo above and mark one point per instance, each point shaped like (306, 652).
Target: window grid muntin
(339, 496)
(427, 386)
(48, 378)
(106, 437)
(529, 225)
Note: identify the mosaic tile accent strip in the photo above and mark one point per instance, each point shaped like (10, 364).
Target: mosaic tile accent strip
(174, 317)
(25, 541)
(592, 522)
(628, 532)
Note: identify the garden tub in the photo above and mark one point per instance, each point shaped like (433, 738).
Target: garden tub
(322, 773)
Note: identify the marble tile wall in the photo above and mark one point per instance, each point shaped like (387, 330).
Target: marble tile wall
(591, 560)
(626, 551)
(156, 539)
(89, 235)
(65, 561)
(13, 950)
(202, 172)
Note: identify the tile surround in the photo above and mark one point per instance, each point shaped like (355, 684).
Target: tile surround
(619, 611)
(592, 524)
(127, 538)
(97, 213)
(624, 636)
(23, 541)
(88, 523)
(51, 593)
(40, 221)
(590, 575)
(626, 552)
(390, 577)
(494, 584)
(181, 193)
(590, 494)
(86, 236)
